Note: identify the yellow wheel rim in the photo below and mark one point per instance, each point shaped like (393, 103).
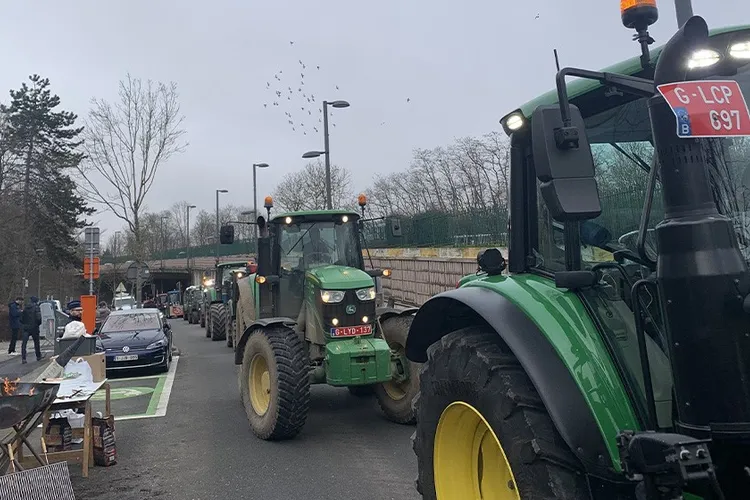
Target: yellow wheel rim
(469, 461)
(396, 390)
(260, 385)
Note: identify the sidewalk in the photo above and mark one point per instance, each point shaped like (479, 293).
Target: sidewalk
(11, 367)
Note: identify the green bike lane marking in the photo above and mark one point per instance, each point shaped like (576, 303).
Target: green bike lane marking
(135, 398)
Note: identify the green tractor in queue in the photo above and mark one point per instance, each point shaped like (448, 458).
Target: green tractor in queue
(311, 315)
(606, 358)
(215, 297)
(187, 301)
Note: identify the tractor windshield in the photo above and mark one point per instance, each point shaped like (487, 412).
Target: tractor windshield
(313, 244)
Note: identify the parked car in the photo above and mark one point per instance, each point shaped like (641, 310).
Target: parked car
(136, 338)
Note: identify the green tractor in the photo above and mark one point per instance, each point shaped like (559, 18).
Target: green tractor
(215, 296)
(311, 314)
(609, 356)
(187, 300)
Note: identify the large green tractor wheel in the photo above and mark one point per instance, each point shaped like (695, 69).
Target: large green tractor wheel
(275, 383)
(395, 397)
(487, 435)
(218, 322)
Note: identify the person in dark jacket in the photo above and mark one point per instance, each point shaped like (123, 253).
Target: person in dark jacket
(14, 315)
(31, 319)
(75, 311)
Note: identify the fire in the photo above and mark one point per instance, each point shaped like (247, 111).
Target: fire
(10, 386)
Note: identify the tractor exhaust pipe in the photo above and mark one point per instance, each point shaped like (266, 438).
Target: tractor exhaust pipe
(703, 280)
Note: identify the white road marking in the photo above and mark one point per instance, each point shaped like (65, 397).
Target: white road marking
(161, 408)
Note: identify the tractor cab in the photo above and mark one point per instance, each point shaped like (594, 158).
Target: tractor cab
(318, 255)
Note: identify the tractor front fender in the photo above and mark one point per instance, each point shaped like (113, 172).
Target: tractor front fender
(557, 387)
(260, 323)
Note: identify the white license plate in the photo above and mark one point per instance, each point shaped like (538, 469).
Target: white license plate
(126, 357)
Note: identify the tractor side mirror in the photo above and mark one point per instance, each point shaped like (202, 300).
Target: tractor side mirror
(262, 226)
(264, 257)
(564, 164)
(396, 227)
(226, 235)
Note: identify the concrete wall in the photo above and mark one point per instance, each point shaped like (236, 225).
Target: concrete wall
(418, 274)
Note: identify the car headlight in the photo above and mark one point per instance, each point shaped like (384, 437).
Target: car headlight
(331, 296)
(158, 343)
(366, 293)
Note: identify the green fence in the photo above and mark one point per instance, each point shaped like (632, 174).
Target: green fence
(439, 229)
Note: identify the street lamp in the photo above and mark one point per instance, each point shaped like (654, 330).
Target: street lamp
(39, 253)
(255, 191)
(163, 242)
(327, 151)
(218, 229)
(187, 242)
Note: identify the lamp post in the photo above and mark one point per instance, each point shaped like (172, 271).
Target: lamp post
(327, 151)
(163, 243)
(248, 213)
(255, 191)
(39, 253)
(187, 242)
(115, 254)
(218, 229)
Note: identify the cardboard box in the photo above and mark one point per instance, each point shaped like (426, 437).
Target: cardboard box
(98, 364)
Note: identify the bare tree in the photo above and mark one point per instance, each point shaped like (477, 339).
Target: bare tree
(306, 189)
(126, 143)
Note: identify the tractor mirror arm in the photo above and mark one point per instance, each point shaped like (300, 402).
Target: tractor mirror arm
(241, 222)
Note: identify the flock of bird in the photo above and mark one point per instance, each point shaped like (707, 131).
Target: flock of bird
(297, 92)
(294, 93)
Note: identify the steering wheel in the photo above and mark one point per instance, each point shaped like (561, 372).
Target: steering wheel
(630, 240)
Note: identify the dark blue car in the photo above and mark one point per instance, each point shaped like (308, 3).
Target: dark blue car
(136, 338)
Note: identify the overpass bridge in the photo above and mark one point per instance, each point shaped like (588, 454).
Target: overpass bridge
(166, 274)
(417, 273)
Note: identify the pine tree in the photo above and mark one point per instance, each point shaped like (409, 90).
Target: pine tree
(47, 142)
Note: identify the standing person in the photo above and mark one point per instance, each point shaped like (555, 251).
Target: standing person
(102, 312)
(75, 311)
(31, 319)
(14, 315)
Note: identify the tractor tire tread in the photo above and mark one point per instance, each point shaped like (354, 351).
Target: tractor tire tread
(293, 383)
(474, 365)
(218, 322)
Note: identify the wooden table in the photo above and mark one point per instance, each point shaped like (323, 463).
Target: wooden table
(76, 396)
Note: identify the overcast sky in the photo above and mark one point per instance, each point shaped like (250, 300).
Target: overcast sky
(461, 65)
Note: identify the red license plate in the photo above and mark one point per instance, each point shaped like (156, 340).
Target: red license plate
(351, 331)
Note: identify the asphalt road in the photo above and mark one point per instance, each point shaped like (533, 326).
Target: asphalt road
(203, 447)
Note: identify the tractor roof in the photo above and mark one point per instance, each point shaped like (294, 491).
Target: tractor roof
(316, 215)
(630, 67)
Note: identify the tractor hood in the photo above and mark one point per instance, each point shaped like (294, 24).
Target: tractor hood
(340, 278)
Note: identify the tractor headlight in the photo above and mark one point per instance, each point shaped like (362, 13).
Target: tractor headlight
(703, 58)
(331, 296)
(740, 50)
(366, 293)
